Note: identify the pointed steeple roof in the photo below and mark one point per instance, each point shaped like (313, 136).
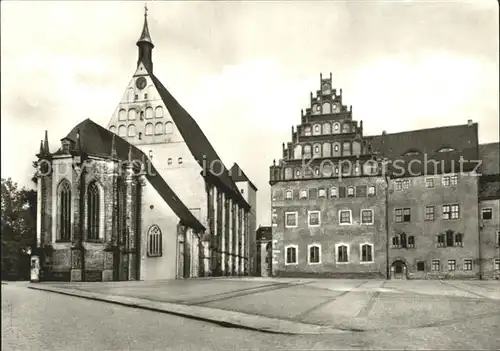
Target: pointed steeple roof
(145, 36)
(41, 147)
(46, 144)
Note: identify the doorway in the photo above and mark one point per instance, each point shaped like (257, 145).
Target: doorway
(399, 270)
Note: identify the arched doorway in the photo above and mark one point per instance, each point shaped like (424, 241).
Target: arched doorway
(399, 270)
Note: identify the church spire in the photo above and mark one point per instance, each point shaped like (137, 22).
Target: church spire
(145, 44)
(46, 144)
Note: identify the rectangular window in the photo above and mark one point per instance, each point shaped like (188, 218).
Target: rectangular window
(399, 185)
(314, 254)
(497, 264)
(429, 182)
(395, 242)
(342, 253)
(435, 266)
(454, 180)
(313, 193)
(321, 193)
(498, 239)
(288, 194)
(446, 181)
(398, 213)
(486, 213)
(406, 215)
(406, 184)
(303, 194)
(451, 211)
(342, 191)
(371, 190)
(459, 239)
(333, 192)
(402, 215)
(467, 265)
(421, 266)
(291, 255)
(291, 219)
(366, 253)
(314, 218)
(429, 213)
(452, 265)
(345, 216)
(440, 238)
(366, 216)
(449, 238)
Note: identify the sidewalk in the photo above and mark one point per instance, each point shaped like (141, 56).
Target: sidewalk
(301, 306)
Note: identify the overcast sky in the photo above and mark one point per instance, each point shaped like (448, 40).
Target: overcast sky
(245, 69)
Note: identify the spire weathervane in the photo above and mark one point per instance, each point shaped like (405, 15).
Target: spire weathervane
(145, 9)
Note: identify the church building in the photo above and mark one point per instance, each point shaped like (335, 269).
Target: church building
(146, 198)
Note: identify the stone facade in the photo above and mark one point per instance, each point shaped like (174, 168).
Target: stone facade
(427, 221)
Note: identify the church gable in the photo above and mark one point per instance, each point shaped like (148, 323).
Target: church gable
(141, 117)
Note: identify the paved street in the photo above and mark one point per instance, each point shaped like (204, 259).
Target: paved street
(37, 320)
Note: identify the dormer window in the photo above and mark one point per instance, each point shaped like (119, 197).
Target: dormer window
(66, 145)
(411, 153)
(446, 149)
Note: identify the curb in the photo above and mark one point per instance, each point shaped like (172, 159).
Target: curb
(206, 314)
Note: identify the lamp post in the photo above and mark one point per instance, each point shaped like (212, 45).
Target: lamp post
(386, 173)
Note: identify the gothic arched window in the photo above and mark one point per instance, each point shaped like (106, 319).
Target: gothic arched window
(149, 128)
(154, 241)
(149, 113)
(93, 211)
(64, 199)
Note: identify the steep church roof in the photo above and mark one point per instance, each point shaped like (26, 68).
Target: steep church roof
(238, 175)
(212, 166)
(98, 141)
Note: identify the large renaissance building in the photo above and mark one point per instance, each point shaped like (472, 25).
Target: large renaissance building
(417, 204)
(145, 198)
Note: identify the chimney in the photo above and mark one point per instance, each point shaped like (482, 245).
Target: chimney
(469, 122)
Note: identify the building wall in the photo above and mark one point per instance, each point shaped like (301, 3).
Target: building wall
(250, 196)
(426, 249)
(330, 232)
(490, 230)
(156, 212)
(164, 149)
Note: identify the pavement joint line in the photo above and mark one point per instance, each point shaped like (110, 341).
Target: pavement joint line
(365, 311)
(314, 308)
(467, 291)
(232, 319)
(483, 286)
(234, 292)
(245, 293)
